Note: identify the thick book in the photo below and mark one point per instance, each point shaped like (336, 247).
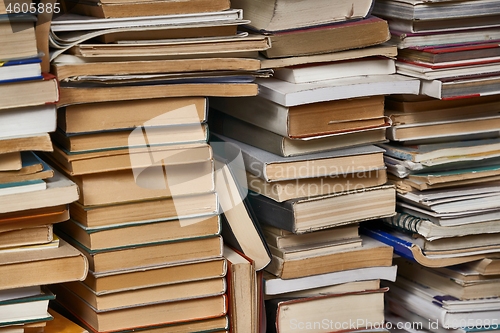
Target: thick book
(33, 217)
(144, 255)
(136, 233)
(240, 227)
(149, 295)
(20, 69)
(18, 31)
(462, 87)
(25, 310)
(290, 94)
(287, 315)
(132, 138)
(38, 142)
(109, 9)
(80, 163)
(352, 34)
(166, 274)
(331, 118)
(117, 115)
(27, 121)
(278, 15)
(256, 136)
(66, 66)
(372, 253)
(155, 314)
(43, 91)
(271, 167)
(10, 161)
(60, 191)
(274, 286)
(243, 308)
(147, 183)
(26, 236)
(53, 265)
(327, 211)
(161, 209)
(336, 70)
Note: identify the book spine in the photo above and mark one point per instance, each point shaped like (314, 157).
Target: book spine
(404, 222)
(270, 212)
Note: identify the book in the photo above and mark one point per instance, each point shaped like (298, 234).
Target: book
(80, 163)
(60, 190)
(10, 161)
(116, 115)
(29, 163)
(145, 183)
(26, 236)
(421, 103)
(66, 66)
(108, 9)
(290, 94)
(331, 311)
(270, 16)
(372, 253)
(22, 187)
(144, 255)
(431, 230)
(446, 70)
(164, 274)
(141, 316)
(54, 265)
(486, 266)
(119, 139)
(25, 309)
(445, 38)
(243, 307)
(428, 10)
(150, 295)
(295, 122)
(446, 285)
(368, 31)
(183, 47)
(20, 69)
(336, 70)
(405, 248)
(280, 238)
(438, 129)
(383, 50)
(159, 209)
(61, 324)
(33, 217)
(27, 121)
(80, 95)
(240, 227)
(19, 31)
(271, 167)
(39, 142)
(316, 249)
(465, 53)
(432, 154)
(440, 25)
(136, 233)
(468, 86)
(352, 286)
(234, 128)
(293, 216)
(274, 286)
(41, 92)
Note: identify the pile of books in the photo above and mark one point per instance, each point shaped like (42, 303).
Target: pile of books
(33, 196)
(132, 133)
(443, 158)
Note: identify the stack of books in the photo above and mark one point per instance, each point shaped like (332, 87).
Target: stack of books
(452, 47)
(33, 196)
(132, 133)
(443, 159)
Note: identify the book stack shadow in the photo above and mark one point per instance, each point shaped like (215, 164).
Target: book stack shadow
(312, 173)
(132, 134)
(443, 159)
(33, 196)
